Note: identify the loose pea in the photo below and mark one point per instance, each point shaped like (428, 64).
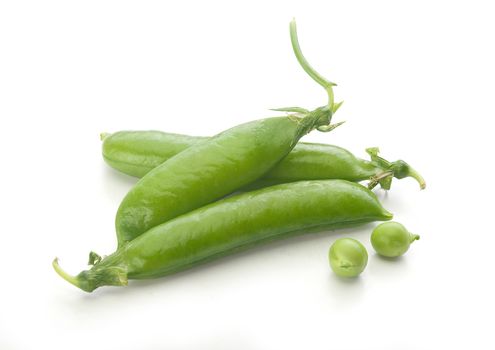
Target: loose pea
(348, 257)
(392, 239)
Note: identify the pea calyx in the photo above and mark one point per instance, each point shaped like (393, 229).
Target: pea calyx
(94, 258)
(398, 169)
(99, 275)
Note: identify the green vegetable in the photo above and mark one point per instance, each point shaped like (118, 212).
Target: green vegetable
(391, 239)
(211, 169)
(231, 224)
(138, 152)
(348, 257)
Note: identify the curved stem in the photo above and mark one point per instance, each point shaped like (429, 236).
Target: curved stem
(69, 278)
(414, 237)
(416, 176)
(399, 168)
(326, 84)
(331, 99)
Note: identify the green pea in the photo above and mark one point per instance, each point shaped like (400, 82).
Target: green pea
(348, 257)
(392, 239)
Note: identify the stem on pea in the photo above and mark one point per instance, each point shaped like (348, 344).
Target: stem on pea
(414, 237)
(69, 278)
(328, 110)
(398, 169)
(416, 176)
(321, 80)
(110, 274)
(104, 135)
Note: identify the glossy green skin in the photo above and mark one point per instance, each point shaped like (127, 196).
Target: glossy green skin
(234, 223)
(136, 153)
(348, 257)
(391, 239)
(206, 172)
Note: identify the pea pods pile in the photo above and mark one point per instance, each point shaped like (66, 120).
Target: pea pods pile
(177, 215)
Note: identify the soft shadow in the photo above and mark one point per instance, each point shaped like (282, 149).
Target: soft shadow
(395, 260)
(112, 177)
(381, 193)
(383, 267)
(346, 290)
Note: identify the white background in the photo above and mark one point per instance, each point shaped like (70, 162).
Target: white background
(418, 81)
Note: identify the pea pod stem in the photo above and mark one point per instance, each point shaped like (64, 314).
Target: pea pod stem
(398, 169)
(69, 278)
(331, 106)
(416, 176)
(115, 275)
(325, 83)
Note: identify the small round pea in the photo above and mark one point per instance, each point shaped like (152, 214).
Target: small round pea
(391, 239)
(348, 257)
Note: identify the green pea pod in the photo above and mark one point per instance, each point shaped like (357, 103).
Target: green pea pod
(209, 170)
(136, 153)
(232, 224)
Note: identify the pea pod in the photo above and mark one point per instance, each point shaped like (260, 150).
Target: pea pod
(231, 224)
(136, 153)
(220, 165)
